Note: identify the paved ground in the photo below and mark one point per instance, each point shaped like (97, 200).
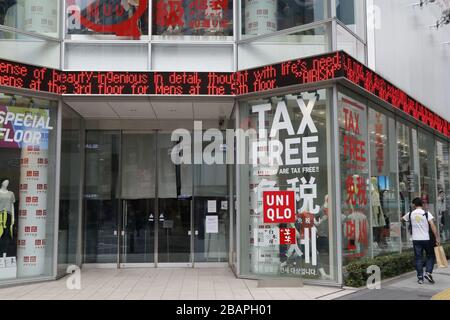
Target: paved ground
(407, 288)
(170, 284)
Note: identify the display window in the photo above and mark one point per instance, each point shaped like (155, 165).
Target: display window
(384, 193)
(193, 18)
(427, 162)
(266, 16)
(443, 189)
(27, 170)
(354, 178)
(408, 174)
(125, 19)
(287, 157)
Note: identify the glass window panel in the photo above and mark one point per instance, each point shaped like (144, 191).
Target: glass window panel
(266, 16)
(352, 14)
(69, 199)
(308, 255)
(101, 194)
(350, 44)
(174, 19)
(104, 57)
(281, 48)
(384, 191)
(116, 19)
(27, 188)
(355, 191)
(427, 162)
(27, 49)
(443, 188)
(408, 174)
(38, 16)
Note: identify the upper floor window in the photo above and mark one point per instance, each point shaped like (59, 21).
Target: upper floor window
(118, 18)
(265, 16)
(352, 14)
(37, 16)
(193, 18)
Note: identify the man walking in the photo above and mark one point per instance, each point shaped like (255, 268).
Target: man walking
(425, 237)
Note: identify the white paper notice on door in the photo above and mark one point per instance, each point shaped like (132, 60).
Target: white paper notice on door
(212, 224)
(224, 205)
(212, 206)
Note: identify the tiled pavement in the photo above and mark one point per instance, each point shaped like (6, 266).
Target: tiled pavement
(162, 284)
(407, 288)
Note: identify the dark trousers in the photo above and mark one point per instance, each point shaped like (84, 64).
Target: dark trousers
(419, 247)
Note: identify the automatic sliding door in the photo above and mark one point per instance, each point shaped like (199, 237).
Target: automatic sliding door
(138, 195)
(174, 203)
(102, 205)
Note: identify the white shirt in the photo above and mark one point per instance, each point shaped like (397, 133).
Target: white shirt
(420, 226)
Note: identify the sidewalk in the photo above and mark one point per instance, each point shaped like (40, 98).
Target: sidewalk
(406, 289)
(165, 284)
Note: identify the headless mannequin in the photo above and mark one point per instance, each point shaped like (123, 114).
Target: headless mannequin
(378, 221)
(7, 200)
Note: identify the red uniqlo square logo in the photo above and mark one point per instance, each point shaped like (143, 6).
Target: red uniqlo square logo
(35, 199)
(279, 206)
(29, 173)
(35, 173)
(27, 229)
(287, 236)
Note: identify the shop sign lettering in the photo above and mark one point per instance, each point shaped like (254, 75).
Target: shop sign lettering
(279, 207)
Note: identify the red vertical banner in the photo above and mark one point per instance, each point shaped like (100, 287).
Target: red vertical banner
(287, 236)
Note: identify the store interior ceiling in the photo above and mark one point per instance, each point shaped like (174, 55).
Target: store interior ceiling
(152, 109)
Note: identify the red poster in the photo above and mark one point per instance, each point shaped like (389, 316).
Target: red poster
(287, 236)
(279, 207)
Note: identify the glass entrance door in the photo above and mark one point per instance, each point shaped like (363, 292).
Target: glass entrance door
(102, 205)
(174, 206)
(142, 208)
(138, 187)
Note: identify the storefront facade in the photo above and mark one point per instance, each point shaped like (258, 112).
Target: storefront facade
(164, 163)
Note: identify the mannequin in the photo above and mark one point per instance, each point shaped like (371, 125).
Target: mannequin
(378, 221)
(7, 200)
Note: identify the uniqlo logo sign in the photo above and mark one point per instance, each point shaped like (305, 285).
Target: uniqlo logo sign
(287, 236)
(279, 206)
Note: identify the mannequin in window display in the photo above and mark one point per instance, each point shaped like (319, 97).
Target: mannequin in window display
(214, 14)
(7, 200)
(441, 212)
(378, 221)
(170, 16)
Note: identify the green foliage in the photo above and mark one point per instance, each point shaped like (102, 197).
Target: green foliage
(392, 265)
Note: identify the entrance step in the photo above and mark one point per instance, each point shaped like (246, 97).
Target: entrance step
(280, 283)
